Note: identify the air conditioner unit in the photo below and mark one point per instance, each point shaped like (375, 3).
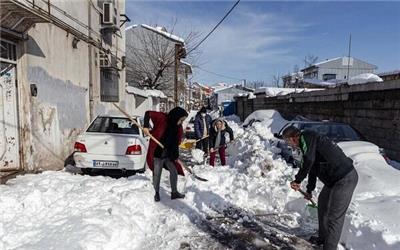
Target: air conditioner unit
(108, 13)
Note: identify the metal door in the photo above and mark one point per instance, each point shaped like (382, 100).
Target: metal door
(9, 144)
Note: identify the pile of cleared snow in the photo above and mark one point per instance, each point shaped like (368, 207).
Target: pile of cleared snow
(364, 78)
(373, 220)
(271, 120)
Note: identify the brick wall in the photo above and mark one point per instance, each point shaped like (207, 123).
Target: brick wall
(373, 109)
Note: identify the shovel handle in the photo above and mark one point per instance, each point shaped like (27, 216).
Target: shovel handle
(305, 194)
(137, 124)
(202, 138)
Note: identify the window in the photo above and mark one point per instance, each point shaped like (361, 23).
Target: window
(8, 51)
(327, 77)
(113, 125)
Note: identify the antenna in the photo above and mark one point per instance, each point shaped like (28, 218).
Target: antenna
(348, 60)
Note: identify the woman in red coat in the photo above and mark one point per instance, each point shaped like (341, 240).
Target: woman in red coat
(167, 128)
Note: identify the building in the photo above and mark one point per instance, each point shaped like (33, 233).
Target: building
(198, 95)
(153, 54)
(340, 68)
(61, 65)
(225, 96)
(390, 75)
(292, 79)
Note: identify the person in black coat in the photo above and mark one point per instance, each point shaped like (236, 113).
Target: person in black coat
(324, 159)
(217, 140)
(202, 123)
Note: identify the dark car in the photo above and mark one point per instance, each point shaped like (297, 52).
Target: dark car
(338, 132)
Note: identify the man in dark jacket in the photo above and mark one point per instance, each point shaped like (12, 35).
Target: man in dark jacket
(217, 140)
(322, 158)
(202, 124)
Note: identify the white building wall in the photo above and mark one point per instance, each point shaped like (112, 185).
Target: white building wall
(51, 121)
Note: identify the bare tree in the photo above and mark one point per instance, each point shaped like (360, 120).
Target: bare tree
(151, 56)
(256, 84)
(309, 60)
(276, 79)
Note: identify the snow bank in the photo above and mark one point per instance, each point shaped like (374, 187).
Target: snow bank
(373, 220)
(58, 210)
(273, 91)
(364, 78)
(271, 120)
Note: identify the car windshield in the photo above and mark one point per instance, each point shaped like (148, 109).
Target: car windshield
(336, 132)
(113, 125)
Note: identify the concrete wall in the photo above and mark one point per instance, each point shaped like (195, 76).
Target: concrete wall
(373, 109)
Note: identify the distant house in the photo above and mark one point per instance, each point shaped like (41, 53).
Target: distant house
(148, 49)
(338, 69)
(292, 79)
(198, 95)
(227, 94)
(390, 75)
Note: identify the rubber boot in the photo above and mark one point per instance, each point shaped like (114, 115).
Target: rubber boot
(177, 195)
(157, 197)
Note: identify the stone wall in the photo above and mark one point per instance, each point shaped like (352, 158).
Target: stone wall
(373, 109)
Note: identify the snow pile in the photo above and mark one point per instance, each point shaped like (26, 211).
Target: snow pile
(58, 210)
(272, 121)
(233, 118)
(364, 78)
(373, 220)
(197, 155)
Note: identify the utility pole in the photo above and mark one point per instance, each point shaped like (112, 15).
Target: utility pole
(177, 48)
(348, 60)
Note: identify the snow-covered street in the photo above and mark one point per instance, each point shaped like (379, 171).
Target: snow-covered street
(247, 204)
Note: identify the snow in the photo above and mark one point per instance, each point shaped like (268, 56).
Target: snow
(273, 91)
(60, 210)
(197, 155)
(271, 119)
(164, 33)
(373, 220)
(156, 93)
(364, 78)
(136, 91)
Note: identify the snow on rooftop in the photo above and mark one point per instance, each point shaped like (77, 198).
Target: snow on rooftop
(164, 33)
(156, 93)
(136, 91)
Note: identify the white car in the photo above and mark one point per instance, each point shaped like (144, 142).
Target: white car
(111, 142)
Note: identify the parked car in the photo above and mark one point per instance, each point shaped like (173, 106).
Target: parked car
(111, 142)
(188, 125)
(338, 132)
(269, 117)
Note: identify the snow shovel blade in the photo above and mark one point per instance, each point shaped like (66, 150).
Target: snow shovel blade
(187, 144)
(199, 178)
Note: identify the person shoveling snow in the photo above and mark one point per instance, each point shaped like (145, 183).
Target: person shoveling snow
(322, 158)
(218, 130)
(168, 129)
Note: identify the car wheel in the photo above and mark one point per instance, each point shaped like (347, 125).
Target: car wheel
(86, 170)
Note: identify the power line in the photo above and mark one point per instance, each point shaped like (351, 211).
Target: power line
(217, 74)
(216, 26)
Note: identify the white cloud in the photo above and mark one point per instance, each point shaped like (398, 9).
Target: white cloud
(248, 44)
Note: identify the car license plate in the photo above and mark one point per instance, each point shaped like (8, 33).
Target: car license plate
(105, 164)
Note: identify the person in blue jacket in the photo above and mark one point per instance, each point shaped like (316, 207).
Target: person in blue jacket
(202, 123)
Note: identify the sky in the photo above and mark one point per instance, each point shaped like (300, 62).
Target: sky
(262, 39)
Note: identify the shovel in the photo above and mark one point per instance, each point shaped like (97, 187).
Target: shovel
(159, 143)
(311, 207)
(190, 144)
